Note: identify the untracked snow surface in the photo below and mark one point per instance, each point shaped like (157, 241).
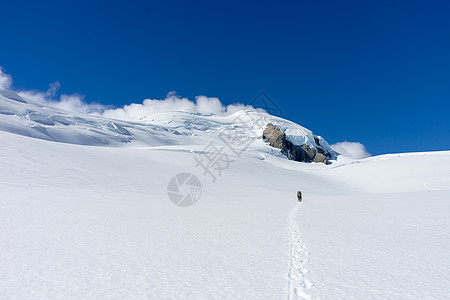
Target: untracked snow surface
(89, 217)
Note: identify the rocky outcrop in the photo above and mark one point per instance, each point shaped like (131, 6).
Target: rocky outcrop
(277, 139)
(274, 136)
(321, 158)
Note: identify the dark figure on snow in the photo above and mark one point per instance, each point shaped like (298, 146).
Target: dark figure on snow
(299, 196)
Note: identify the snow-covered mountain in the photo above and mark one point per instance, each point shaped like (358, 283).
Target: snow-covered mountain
(86, 212)
(30, 118)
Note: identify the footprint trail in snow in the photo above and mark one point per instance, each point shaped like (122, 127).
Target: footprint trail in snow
(299, 285)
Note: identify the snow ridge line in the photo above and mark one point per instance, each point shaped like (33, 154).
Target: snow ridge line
(298, 284)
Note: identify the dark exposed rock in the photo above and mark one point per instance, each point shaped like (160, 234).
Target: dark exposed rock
(321, 158)
(277, 139)
(310, 152)
(317, 141)
(274, 136)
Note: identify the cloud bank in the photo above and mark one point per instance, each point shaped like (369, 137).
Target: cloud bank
(172, 102)
(5, 80)
(73, 102)
(133, 112)
(351, 149)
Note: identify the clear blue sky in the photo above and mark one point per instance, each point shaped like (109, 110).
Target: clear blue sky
(377, 72)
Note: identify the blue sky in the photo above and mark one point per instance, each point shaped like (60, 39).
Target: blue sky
(373, 72)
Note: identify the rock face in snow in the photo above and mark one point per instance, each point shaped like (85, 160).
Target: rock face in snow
(274, 136)
(305, 153)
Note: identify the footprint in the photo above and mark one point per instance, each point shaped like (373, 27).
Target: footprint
(298, 285)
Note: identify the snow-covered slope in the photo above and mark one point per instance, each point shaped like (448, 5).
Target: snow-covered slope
(96, 222)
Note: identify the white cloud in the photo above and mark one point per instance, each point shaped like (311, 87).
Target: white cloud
(72, 103)
(132, 112)
(351, 149)
(77, 103)
(5, 80)
(53, 88)
(172, 102)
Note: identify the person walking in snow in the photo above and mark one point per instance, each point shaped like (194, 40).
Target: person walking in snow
(299, 196)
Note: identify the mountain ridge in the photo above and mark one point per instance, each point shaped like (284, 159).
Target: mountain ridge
(30, 118)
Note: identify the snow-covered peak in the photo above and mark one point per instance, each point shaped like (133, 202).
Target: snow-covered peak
(26, 117)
